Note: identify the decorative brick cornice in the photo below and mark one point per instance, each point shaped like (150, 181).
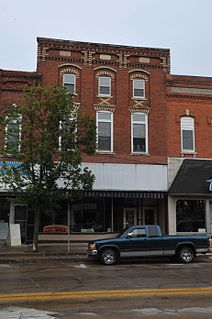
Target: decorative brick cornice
(186, 96)
(105, 107)
(140, 106)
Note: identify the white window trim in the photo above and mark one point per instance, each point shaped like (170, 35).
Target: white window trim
(74, 92)
(186, 151)
(100, 94)
(111, 132)
(146, 131)
(136, 96)
(19, 116)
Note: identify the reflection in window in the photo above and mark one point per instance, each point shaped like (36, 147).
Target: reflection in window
(13, 135)
(187, 134)
(190, 215)
(138, 88)
(104, 86)
(69, 82)
(139, 132)
(104, 129)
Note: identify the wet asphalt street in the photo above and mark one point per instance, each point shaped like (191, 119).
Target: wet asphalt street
(140, 289)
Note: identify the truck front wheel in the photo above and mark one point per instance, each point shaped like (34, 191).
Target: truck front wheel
(185, 255)
(108, 256)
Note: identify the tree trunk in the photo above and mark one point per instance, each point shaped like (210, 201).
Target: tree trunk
(36, 228)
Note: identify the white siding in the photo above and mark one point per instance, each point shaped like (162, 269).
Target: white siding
(129, 177)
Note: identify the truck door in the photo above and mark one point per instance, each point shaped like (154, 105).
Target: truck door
(135, 243)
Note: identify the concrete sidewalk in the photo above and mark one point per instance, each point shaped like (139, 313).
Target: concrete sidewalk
(47, 252)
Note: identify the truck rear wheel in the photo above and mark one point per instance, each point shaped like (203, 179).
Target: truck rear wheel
(108, 256)
(185, 255)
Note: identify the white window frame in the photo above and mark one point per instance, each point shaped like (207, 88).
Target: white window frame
(111, 130)
(139, 96)
(187, 127)
(145, 122)
(99, 85)
(15, 121)
(74, 82)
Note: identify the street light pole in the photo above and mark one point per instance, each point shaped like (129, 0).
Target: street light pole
(68, 219)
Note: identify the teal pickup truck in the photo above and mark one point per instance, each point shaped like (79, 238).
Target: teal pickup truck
(147, 241)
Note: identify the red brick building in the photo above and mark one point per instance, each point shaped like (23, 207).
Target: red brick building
(147, 121)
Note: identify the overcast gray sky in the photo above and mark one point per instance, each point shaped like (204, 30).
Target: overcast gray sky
(184, 26)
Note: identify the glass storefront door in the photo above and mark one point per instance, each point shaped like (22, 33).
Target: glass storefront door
(129, 217)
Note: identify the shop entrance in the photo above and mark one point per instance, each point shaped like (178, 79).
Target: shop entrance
(129, 217)
(21, 215)
(150, 215)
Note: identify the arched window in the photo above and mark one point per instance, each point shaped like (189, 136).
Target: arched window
(12, 141)
(104, 86)
(138, 88)
(187, 134)
(69, 82)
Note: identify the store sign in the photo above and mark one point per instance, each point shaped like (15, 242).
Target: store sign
(15, 235)
(210, 184)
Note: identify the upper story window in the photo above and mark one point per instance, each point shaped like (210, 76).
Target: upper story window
(69, 82)
(138, 88)
(68, 133)
(139, 133)
(104, 131)
(12, 141)
(187, 134)
(104, 88)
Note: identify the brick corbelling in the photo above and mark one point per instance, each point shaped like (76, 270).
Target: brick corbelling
(125, 159)
(114, 63)
(58, 44)
(185, 96)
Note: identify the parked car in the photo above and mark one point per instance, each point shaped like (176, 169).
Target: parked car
(147, 241)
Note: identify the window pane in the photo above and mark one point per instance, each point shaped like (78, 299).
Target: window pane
(12, 136)
(104, 116)
(190, 215)
(69, 82)
(139, 130)
(104, 81)
(104, 85)
(69, 87)
(188, 140)
(104, 129)
(104, 90)
(139, 138)
(138, 87)
(139, 117)
(104, 136)
(69, 78)
(104, 143)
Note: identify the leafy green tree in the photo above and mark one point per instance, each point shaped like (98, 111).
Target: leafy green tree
(45, 138)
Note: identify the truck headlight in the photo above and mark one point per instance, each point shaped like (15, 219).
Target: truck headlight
(92, 246)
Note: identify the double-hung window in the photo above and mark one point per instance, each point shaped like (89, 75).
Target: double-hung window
(138, 88)
(104, 84)
(139, 133)
(105, 131)
(13, 135)
(69, 82)
(187, 134)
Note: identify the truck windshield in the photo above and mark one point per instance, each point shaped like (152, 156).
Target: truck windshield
(122, 232)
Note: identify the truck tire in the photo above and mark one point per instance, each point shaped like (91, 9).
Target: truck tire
(185, 255)
(108, 256)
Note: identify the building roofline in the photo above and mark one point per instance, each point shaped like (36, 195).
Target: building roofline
(93, 44)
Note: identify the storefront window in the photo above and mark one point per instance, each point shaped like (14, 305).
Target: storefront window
(190, 215)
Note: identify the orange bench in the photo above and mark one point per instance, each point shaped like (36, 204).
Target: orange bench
(55, 229)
